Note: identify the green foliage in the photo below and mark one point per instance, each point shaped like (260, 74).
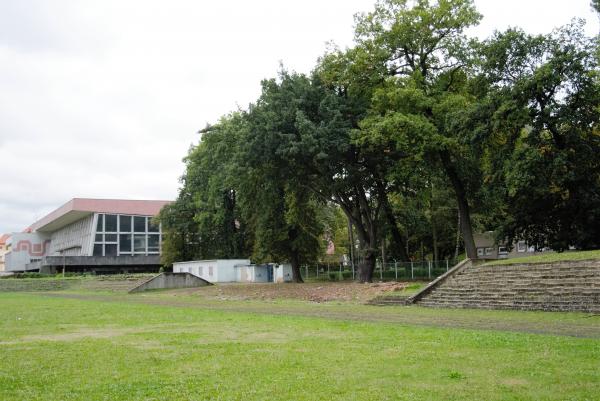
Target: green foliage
(546, 119)
(334, 276)
(205, 222)
(417, 136)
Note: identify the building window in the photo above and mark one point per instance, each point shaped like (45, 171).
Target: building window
(110, 223)
(489, 251)
(502, 250)
(110, 250)
(125, 224)
(521, 246)
(139, 224)
(126, 235)
(153, 243)
(480, 251)
(98, 250)
(139, 243)
(125, 243)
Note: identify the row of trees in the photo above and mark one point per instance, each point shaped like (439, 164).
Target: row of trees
(416, 134)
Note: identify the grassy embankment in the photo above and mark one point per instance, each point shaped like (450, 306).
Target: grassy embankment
(550, 257)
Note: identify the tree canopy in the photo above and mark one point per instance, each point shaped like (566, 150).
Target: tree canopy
(418, 135)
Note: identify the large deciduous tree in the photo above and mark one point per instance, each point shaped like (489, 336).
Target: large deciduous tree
(547, 98)
(205, 221)
(418, 109)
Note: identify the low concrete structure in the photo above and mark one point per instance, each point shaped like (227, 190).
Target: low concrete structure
(98, 264)
(170, 281)
(235, 270)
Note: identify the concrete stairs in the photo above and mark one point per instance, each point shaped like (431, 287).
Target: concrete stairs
(565, 286)
(383, 300)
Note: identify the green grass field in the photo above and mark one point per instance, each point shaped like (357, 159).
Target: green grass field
(550, 257)
(176, 345)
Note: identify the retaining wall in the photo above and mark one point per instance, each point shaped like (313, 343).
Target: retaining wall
(171, 280)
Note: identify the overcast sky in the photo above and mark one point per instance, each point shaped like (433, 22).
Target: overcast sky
(103, 98)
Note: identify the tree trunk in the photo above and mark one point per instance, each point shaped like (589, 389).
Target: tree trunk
(399, 247)
(463, 205)
(352, 244)
(456, 249)
(367, 266)
(364, 218)
(433, 226)
(296, 273)
(435, 241)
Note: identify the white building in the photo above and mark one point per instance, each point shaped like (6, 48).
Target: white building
(102, 235)
(235, 270)
(215, 271)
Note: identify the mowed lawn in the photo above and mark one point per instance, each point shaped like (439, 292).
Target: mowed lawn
(54, 348)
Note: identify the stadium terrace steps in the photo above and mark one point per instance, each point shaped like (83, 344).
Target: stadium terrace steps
(563, 286)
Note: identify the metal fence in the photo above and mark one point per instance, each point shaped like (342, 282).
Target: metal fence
(398, 271)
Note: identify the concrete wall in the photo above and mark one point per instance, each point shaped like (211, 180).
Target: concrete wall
(171, 280)
(75, 239)
(26, 248)
(226, 270)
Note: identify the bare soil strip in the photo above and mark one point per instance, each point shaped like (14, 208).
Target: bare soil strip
(584, 325)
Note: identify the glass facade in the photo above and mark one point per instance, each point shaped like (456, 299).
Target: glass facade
(121, 235)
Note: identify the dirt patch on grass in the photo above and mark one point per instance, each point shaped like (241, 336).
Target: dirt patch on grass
(584, 325)
(313, 292)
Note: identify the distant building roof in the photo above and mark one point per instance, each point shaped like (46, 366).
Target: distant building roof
(78, 208)
(4, 238)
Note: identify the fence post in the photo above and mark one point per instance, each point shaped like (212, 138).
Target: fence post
(447, 266)
(381, 271)
(396, 269)
(412, 270)
(327, 269)
(306, 268)
(429, 268)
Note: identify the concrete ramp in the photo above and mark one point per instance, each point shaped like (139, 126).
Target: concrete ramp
(170, 281)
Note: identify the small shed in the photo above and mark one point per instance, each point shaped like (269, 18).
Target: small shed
(214, 271)
(282, 273)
